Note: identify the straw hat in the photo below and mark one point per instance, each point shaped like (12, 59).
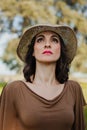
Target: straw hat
(66, 33)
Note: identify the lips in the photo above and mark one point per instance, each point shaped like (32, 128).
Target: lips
(47, 52)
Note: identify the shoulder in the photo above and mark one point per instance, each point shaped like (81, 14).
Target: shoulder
(14, 83)
(12, 86)
(78, 93)
(12, 90)
(74, 87)
(74, 84)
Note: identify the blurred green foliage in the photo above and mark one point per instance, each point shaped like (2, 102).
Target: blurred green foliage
(46, 11)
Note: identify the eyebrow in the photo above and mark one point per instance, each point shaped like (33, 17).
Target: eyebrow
(55, 35)
(41, 35)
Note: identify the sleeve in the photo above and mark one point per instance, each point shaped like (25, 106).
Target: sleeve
(7, 111)
(79, 123)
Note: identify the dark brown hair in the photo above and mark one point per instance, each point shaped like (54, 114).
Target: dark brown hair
(62, 66)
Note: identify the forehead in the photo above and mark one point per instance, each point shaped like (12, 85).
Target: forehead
(47, 33)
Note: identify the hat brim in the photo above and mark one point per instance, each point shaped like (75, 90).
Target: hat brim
(66, 33)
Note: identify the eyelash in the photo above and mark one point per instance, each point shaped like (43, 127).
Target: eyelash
(39, 39)
(56, 40)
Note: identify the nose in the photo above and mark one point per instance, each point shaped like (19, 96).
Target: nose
(47, 44)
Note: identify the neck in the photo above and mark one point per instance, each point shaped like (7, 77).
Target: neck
(45, 74)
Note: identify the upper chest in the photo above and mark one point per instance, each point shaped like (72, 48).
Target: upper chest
(33, 109)
(28, 99)
(49, 92)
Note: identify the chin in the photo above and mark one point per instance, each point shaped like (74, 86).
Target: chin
(47, 61)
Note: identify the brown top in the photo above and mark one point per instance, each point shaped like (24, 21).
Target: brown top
(23, 109)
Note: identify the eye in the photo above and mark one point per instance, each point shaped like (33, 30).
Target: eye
(56, 40)
(40, 39)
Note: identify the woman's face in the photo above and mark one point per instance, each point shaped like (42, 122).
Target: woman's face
(47, 47)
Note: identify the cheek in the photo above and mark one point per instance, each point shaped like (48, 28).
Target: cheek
(37, 50)
(37, 47)
(58, 49)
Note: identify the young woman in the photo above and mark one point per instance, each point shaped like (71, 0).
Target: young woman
(46, 99)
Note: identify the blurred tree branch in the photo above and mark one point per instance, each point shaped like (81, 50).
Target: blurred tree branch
(43, 11)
